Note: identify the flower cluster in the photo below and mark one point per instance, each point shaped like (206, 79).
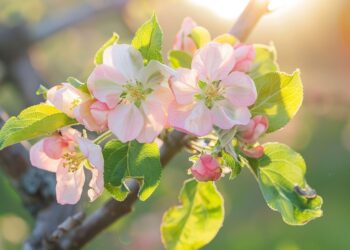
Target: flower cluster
(137, 101)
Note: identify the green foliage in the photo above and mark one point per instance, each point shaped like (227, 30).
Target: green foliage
(265, 60)
(131, 160)
(230, 162)
(42, 90)
(35, 121)
(196, 222)
(281, 176)
(279, 98)
(78, 84)
(149, 39)
(99, 53)
(179, 59)
(200, 36)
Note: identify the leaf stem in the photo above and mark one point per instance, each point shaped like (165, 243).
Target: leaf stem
(103, 137)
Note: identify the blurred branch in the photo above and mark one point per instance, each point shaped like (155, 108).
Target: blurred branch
(112, 210)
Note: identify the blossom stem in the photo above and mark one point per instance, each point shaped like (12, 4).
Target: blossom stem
(103, 137)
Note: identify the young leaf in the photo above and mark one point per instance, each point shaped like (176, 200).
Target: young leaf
(42, 90)
(196, 222)
(279, 98)
(265, 60)
(200, 36)
(226, 38)
(179, 59)
(131, 160)
(231, 163)
(35, 121)
(99, 53)
(78, 84)
(281, 177)
(148, 40)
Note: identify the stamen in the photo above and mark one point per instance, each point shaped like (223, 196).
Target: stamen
(73, 160)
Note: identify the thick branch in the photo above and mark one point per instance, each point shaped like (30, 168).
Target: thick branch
(113, 210)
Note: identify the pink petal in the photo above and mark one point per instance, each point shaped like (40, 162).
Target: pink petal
(225, 115)
(184, 85)
(105, 84)
(182, 41)
(126, 122)
(93, 115)
(41, 160)
(94, 155)
(214, 61)
(69, 185)
(245, 55)
(124, 58)
(65, 97)
(54, 146)
(240, 89)
(199, 121)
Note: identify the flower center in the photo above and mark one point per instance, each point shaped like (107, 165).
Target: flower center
(210, 93)
(73, 160)
(135, 93)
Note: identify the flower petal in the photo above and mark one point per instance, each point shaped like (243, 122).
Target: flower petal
(69, 185)
(126, 122)
(214, 61)
(225, 115)
(65, 97)
(105, 84)
(155, 74)
(40, 159)
(245, 55)
(125, 58)
(240, 89)
(184, 85)
(94, 155)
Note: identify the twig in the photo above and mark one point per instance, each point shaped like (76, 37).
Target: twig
(113, 210)
(70, 223)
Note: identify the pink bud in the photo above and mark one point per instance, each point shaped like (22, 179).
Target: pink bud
(207, 168)
(93, 115)
(182, 40)
(255, 152)
(245, 55)
(256, 127)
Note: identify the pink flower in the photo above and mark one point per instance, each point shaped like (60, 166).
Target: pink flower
(254, 152)
(137, 95)
(210, 93)
(182, 40)
(65, 97)
(207, 168)
(66, 153)
(245, 55)
(93, 114)
(251, 132)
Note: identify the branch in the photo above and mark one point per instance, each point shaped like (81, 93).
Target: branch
(113, 210)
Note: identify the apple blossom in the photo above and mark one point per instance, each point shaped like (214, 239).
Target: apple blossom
(251, 132)
(207, 168)
(66, 97)
(245, 55)
(182, 40)
(66, 153)
(211, 93)
(137, 96)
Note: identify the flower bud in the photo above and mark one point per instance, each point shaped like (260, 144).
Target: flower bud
(182, 40)
(255, 152)
(251, 132)
(245, 55)
(207, 168)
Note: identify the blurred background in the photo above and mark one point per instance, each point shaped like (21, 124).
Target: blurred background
(45, 41)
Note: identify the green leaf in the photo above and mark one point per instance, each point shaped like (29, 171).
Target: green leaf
(200, 36)
(131, 160)
(279, 98)
(78, 84)
(281, 177)
(229, 161)
(265, 60)
(195, 223)
(35, 121)
(148, 40)
(99, 53)
(179, 59)
(42, 90)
